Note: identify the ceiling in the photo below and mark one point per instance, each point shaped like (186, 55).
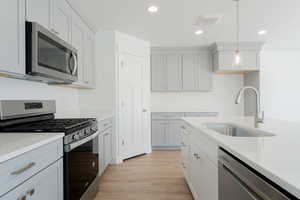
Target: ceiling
(174, 24)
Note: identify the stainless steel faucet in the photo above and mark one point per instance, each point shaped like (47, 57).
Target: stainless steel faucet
(259, 116)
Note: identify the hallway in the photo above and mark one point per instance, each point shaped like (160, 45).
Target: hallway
(157, 176)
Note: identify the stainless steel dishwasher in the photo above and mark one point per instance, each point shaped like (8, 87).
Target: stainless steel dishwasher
(237, 181)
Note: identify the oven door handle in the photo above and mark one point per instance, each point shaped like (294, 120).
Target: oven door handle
(72, 146)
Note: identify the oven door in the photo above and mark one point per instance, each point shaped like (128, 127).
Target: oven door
(49, 56)
(80, 166)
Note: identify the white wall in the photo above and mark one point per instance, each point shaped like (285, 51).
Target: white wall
(221, 99)
(66, 98)
(280, 84)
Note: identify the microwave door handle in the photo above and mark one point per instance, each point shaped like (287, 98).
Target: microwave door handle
(75, 63)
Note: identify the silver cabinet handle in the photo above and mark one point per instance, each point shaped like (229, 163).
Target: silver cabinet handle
(22, 198)
(183, 144)
(183, 166)
(54, 31)
(196, 156)
(31, 192)
(24, 169)
(183, 127)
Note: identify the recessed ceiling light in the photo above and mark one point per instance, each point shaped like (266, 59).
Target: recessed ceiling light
(262, 32)
(199, 32)
(153, 9)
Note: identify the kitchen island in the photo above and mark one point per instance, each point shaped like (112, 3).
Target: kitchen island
(275, 157)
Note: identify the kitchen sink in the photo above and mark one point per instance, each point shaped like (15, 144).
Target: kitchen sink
(236, 131)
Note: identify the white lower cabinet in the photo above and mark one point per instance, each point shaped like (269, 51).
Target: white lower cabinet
(46, 185)
(105, 144)
(166, 134)
(200, 171)
(204, 176)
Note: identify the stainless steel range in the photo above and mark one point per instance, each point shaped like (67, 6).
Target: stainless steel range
(80, 142)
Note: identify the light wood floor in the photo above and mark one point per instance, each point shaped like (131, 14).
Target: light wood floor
(156, 176)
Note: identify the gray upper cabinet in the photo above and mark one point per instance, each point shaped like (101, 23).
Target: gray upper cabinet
(223, 57)
(178, 70)
(174, 72)
(166, 72)
(62, 16)
(40, 11)
(158, 73)
(12, 48)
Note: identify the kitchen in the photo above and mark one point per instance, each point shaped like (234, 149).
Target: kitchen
(144, 99)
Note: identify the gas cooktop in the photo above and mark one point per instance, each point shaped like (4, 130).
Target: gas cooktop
(53, 125)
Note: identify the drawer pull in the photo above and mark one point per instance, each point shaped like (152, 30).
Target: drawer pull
(24, 169)
(31, 192)
(22, 198)
(196, 156)
(183, 127)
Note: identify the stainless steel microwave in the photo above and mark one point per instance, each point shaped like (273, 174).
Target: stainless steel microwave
(49, 58)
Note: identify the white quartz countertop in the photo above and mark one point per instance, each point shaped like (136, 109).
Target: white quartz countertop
(15, 144)
(275, 157)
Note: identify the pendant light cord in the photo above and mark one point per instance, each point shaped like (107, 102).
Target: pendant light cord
(237, 25)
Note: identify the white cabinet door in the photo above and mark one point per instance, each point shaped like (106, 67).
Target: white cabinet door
(173, 133)
(40, 11)
(204, 175)
(62, 16)
(166, 72)
(158, 133)
(78, 33)
(159, 73)
(224, 61)
(12, 40)
(46, 185)
(107, 143)
(174, 72)
(101, 153)
(190, 71)
(89, 58)
(197, 73)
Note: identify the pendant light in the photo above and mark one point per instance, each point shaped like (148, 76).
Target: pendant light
(237, 56)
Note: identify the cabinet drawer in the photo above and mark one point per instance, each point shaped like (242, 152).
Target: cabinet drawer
(46, 185)
(105, 124)
(17, 170)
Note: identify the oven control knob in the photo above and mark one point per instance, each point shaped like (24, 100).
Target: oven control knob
(76, 137)
(87, 131)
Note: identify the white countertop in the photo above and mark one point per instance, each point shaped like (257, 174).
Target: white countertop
(276, 157)
(15, 144)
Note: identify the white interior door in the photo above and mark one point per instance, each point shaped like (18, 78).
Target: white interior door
(131, 85)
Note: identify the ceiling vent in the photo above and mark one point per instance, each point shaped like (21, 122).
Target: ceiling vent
(206, 21)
